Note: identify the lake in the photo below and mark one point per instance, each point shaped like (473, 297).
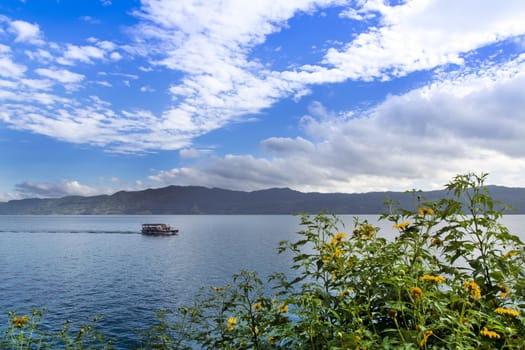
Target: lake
(81, 266)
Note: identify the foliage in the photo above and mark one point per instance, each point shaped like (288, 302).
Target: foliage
(234, 316)
(26, 332)
(452, 278)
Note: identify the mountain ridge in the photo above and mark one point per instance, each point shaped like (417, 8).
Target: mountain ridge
(203, 200)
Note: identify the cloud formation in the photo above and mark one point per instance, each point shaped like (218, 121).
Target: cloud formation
(466, 113)
(26, 32)
(69, 187)
(457, 124)
(60, 189)
(211, 44)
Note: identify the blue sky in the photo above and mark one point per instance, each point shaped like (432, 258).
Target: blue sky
(98, 96)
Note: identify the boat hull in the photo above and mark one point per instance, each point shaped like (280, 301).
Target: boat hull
(158, 230)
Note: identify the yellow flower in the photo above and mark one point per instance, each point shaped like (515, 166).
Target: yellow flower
(336, 253)
(20, 321)
(506, 311)
(232, 321)
(257, 307)
(426, 335)
(510, 254)
(365, 231)
(417, 293)
(282, 308)
(271, 340)
(425, 211)
(473, 288)
(338, 238)
(504, 291)
(402, 225)
(431, 278)
(490, 334)
(344, 293)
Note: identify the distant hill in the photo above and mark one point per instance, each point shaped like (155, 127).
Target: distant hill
(202, 200)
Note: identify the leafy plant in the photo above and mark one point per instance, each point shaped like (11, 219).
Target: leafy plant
(26, 332)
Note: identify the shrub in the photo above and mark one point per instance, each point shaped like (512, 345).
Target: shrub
(25, 332)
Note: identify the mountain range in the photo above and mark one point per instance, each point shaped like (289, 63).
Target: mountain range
(203, 200)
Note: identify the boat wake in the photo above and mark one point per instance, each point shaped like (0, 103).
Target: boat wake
(44, 231)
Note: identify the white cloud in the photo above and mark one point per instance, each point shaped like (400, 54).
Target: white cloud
(146, 88)
(471, 122)
(62, 188)
(103, 44)
(209, 48)
(90, 19)
(69, 187)
(84, 54)
(189, 153)
(26, 32)
(210, 43)
(417, 35)
(7, 196)
(10, 69)
(115, 56)
(40, 55)
(104, 83)
(354, 14)
(36, 84)
(61, 75)
(4, 49)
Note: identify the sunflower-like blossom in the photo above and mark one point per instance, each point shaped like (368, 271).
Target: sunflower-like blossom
(365, 231)
(272, 340)
(231, 323)
(431, 278)
(257, 307)
(338, 238)
(417, 293)
(507, 311)
(490, 334)
(473, 288)
(510, 254)
(425, 211)
(402, 225)
(426, 335)
(282, 308)
(20, 321)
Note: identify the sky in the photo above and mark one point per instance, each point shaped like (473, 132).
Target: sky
(98, 96)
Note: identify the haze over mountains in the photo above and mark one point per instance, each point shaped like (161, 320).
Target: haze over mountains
(202, 200)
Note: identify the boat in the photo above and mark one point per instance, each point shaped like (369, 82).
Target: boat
(158, 230)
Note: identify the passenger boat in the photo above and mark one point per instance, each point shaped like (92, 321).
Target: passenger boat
(158, 230)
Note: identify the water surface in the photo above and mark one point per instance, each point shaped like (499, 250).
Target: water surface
(82, 266)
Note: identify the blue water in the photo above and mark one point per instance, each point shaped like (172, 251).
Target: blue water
(82, 266)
